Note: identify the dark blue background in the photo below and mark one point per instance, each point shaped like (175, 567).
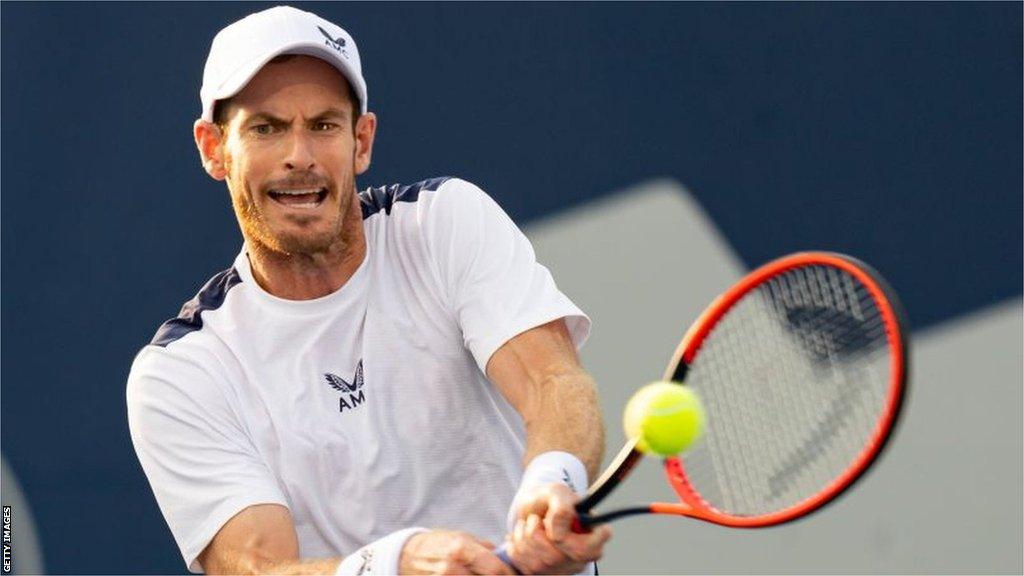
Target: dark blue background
(888, 131)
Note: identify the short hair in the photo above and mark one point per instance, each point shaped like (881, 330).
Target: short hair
(220, 107)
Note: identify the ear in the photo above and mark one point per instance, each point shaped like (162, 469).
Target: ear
(366, 129)
(208, 140)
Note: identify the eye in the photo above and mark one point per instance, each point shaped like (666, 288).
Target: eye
(324, 126)
(262, 129)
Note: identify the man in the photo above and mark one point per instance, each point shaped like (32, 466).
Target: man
(324, 399)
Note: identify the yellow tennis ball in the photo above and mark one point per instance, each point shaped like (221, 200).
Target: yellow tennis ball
(667, 417)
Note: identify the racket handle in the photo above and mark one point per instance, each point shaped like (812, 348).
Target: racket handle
(502, 553)
(580, 525)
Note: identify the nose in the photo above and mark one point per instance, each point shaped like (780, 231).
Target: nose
(300, 153)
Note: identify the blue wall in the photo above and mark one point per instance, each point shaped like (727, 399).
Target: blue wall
(888, 131)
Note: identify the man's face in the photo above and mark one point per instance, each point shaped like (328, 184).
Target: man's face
(290, 156)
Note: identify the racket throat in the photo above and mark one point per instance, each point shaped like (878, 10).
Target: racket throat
(587, 520)
(620, 467)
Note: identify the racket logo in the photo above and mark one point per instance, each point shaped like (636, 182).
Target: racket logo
(352, 394)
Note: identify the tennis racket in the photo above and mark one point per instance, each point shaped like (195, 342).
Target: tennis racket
(802, 370)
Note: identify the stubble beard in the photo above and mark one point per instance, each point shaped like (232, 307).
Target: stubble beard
(262, 236)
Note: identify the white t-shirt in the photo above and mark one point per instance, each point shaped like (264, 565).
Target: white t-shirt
(364, 411)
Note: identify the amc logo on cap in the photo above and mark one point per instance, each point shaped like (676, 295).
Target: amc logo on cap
(336, 43)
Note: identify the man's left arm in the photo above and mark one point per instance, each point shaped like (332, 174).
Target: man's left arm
(522, 332)
(539, 373)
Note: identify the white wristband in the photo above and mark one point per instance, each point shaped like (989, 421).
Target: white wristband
(380, 557)
(550, 468)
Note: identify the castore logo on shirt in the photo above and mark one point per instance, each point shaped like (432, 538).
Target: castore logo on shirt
(353, 390)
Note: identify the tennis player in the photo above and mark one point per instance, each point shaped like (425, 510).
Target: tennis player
(384, 381)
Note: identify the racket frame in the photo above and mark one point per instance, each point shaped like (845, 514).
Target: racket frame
(692, 504)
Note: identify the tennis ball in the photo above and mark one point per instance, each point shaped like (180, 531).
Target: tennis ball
(667, 417)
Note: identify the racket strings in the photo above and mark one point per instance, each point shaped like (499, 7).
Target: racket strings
(793, 377)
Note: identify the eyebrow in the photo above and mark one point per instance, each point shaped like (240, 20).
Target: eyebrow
(331, 113)
(264, 117)
(271, 119)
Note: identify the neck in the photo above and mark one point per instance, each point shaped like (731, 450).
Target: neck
(295, 276)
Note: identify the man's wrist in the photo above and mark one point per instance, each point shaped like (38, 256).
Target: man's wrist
(554, 467)
(378, 557)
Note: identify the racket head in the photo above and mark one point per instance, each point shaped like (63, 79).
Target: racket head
(810, 313)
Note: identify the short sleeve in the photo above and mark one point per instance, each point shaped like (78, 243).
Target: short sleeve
(198, 459)
(489, 272)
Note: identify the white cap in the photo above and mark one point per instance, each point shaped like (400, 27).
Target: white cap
(242, 48)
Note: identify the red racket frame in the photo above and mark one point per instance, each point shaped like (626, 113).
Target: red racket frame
(892, 316)
(692, 504)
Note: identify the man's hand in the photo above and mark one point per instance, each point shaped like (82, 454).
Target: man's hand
(543, 541)
(447, 552)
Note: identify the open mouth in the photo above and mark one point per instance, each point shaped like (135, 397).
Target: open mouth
(299, 197)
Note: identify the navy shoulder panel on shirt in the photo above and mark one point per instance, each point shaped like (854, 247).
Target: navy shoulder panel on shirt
(383, 198)
(210, 297)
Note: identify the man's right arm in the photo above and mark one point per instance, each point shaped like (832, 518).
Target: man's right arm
(258, 540)
(261, 540)
(221, 501)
